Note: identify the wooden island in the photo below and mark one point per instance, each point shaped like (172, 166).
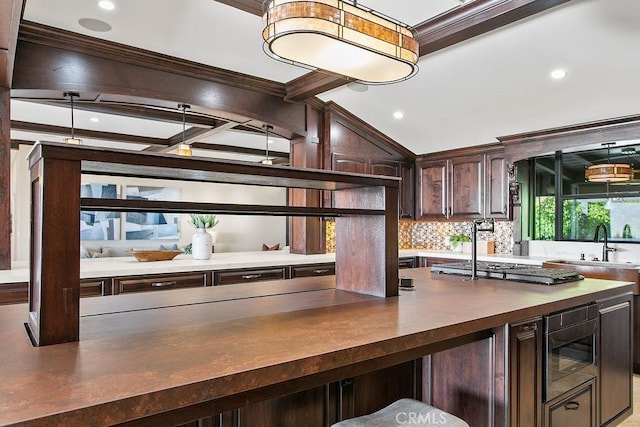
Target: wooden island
(283, 352)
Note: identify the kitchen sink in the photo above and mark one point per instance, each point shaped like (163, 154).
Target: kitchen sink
(626, 272)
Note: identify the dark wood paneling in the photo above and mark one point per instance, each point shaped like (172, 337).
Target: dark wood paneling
(88, 65)
(5, 180)
(525, 373)
(462, 381)
(12, 293)
(55, 240)
(614, 360)
(305, 408)
(474, 19)
(532, 144)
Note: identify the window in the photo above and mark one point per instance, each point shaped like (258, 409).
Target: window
(567, 207)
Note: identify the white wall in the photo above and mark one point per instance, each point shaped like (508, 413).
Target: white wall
(235, 233)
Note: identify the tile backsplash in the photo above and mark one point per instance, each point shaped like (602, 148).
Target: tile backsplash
(432, 235)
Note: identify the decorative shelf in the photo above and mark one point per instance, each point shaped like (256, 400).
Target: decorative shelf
(365, 208)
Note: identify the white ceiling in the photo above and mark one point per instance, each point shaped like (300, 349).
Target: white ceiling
(468, 94)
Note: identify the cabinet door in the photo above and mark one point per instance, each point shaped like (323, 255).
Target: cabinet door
(466, 182)
(497, 183)
(573, 409)
(407, 262)
(343, 163)
(384, 167)
(159, 282)
(431, 190)
(406, 191)
(525, 373)
(614, 362)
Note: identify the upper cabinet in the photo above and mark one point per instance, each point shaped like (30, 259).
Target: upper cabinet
(352, 145)
(472, 184)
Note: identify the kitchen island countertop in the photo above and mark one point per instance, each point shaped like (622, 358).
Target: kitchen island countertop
(142, 355)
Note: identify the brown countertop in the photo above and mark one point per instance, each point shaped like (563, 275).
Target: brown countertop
(141, 355)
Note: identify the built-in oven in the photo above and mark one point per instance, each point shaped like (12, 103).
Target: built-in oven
(570, 349)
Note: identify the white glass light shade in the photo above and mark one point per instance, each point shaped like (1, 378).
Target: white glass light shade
(341, 38)
(611, 172)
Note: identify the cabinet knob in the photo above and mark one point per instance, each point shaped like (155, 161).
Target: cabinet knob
(531, 327)
(251, 276)
(321, 271)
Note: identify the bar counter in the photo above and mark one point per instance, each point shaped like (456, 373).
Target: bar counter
(150, 358)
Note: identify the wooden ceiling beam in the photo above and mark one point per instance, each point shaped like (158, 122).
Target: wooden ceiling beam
(448, 29)
(84, 133)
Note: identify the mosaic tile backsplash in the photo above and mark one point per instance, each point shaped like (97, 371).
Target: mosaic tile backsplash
(433, 235)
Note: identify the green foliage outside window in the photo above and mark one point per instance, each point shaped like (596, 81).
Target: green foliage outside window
(545, 215)
(580, 225)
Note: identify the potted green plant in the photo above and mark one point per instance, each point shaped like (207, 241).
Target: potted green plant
(456, 241)
(202, 241)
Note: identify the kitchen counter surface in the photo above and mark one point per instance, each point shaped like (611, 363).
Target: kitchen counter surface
(129, 266)
(142, 355)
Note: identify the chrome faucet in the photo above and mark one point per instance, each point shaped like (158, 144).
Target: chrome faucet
(484, 224)
(605, 247)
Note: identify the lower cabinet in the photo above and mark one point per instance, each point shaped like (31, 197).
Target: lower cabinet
(159, 282)
(407, 262)
(15, 293)
(312, 270)
(576, 408)
(614, 358)
(525, 373)
(248, 275)
(428, 262)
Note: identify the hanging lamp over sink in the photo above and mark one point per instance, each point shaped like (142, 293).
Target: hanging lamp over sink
(609, 172)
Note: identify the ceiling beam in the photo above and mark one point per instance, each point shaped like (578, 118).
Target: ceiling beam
(135, 111)
(447, 29)
(84, 133)
(473, 19)
(238, 150)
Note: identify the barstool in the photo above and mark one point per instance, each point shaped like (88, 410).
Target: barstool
(405, 412)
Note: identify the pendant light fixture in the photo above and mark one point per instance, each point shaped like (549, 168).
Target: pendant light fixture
(267, 160)
(340, 37)
(72, 140)
(184, 149)
(609, 172)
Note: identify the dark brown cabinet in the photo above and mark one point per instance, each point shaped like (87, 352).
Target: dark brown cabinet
(407, 262)
(615, 359)
(463, 186)
(312, 270)
(15, 293)
(159, 282)
(574, 408)
(354, 164)
(525, 373)
(248, 275)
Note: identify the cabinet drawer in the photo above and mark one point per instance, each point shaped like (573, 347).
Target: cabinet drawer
(575, 408)
(407, 262)
(13, 293)
(312, 270)
(160, 282)
(95, 287)
(229, 277)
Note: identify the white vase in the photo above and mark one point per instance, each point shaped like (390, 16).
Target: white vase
(201, 244)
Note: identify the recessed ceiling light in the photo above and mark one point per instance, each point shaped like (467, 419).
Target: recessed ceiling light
(106, 5)
(398, 115)
(558, 74)
(94, 119)
(94, 25)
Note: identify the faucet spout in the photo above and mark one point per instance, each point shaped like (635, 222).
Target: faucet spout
(605, 247)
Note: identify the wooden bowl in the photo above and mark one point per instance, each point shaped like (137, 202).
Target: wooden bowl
(152, 255)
